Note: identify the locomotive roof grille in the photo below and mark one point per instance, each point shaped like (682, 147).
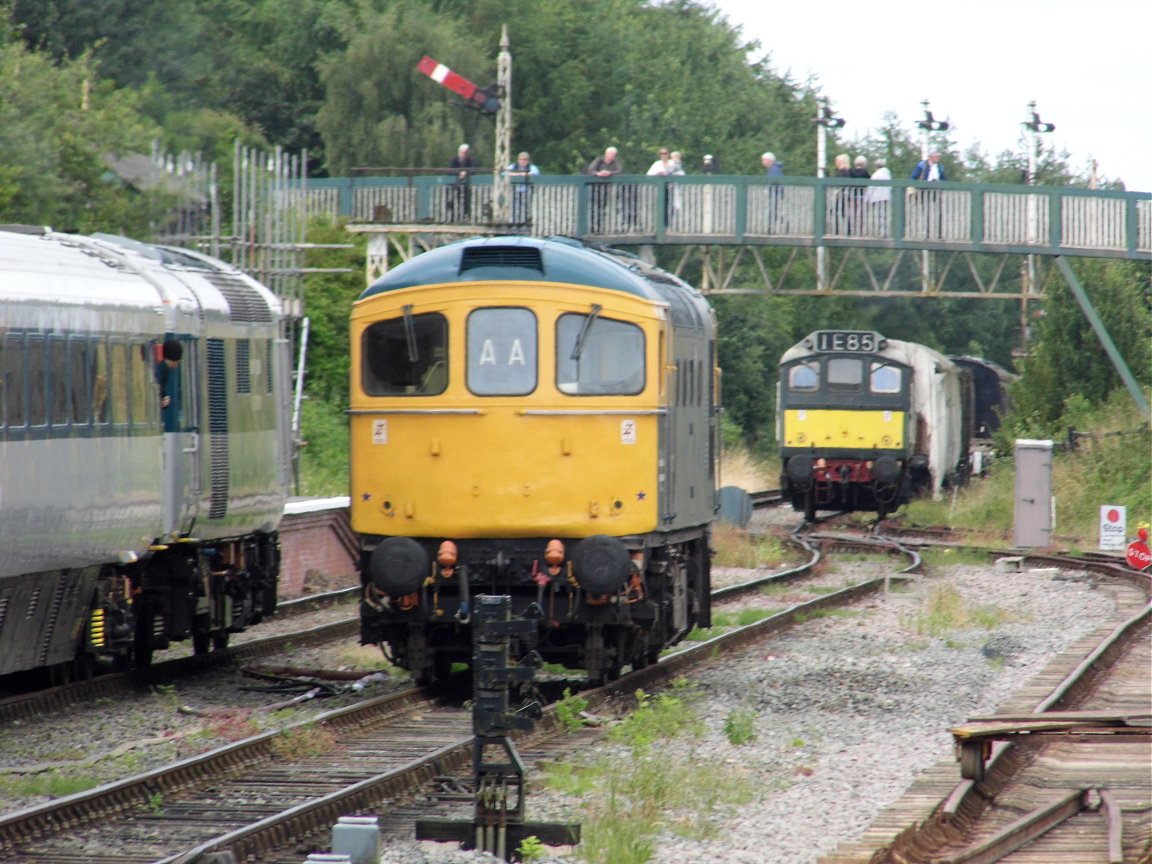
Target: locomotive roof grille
(525, 257)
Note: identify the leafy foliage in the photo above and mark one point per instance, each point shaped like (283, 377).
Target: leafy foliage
(82, 80)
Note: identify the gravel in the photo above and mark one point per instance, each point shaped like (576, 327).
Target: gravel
(847, 712)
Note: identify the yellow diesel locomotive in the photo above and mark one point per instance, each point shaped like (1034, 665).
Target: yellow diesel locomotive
(533, 418)
(866, 423)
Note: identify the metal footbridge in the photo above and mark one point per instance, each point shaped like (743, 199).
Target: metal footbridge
(740, 214)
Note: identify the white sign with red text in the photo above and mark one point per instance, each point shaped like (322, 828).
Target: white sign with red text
(1113, 527)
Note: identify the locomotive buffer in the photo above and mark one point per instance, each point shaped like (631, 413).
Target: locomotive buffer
(498, 825)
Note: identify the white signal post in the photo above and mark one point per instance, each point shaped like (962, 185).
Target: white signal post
(928, 125)
(1035, 125)
(501, 183)
(824, 121)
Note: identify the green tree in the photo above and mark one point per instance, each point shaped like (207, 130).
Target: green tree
(379, 110)
(59, 127)
(1065, 359)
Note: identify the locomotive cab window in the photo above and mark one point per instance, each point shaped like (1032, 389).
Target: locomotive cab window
(886, 379)
(598, 356)
(804, 378)
(845, 374)
(502, 352)
(405, 356)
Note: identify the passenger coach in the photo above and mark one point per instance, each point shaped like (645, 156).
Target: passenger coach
(125, 525)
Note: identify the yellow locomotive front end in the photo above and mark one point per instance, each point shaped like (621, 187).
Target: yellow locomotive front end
(533, 419)
(472, 418)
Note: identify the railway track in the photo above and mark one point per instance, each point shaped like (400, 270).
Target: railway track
(267, 793)
(213, 819)
(1060, 776)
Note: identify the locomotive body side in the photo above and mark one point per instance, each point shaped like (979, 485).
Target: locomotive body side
(865, 423)
(102, 552)
(536, 421)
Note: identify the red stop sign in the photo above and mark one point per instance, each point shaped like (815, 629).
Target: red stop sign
(1139, 558)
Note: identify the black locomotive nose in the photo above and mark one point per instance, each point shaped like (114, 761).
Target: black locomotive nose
(398, 566)
(601, 564)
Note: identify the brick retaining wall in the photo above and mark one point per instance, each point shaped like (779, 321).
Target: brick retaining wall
(317, 546)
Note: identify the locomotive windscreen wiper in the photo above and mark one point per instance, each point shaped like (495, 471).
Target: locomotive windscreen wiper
(410, 334)
(578, 348)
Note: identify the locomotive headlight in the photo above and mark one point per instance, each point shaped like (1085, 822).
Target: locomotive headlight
(398, 566)
(601, 564)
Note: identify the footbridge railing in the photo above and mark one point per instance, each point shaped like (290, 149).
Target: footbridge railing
(742, 211)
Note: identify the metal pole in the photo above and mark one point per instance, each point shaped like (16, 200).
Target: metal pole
(823, 120)
(821, 161)
(1035, 125)
(925, 256)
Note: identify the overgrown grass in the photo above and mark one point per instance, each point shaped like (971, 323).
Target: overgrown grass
(1111, 463)
(944, 610)
(736, 547)
(50, 784)
(629, 800)
(752, 473)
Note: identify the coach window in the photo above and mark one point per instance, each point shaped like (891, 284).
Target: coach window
(804, 378)
(405, 356)
(145, 402)
(80, 381)
(118, 352)
(885, 379)
(600, 356)
(99, 372)
(845, 375)
(61, 404)
(36, 364)
(12, 381)
(502, 352)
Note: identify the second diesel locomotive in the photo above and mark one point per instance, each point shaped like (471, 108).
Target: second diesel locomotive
(538, 419)
(144, 450)
(866, 423)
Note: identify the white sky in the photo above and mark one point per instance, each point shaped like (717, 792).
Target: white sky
(1087, 65)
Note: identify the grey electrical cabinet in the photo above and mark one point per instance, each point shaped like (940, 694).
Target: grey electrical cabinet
(1035, 508)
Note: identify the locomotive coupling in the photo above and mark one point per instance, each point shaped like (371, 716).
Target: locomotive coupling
(601, 564)
(398, 566)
